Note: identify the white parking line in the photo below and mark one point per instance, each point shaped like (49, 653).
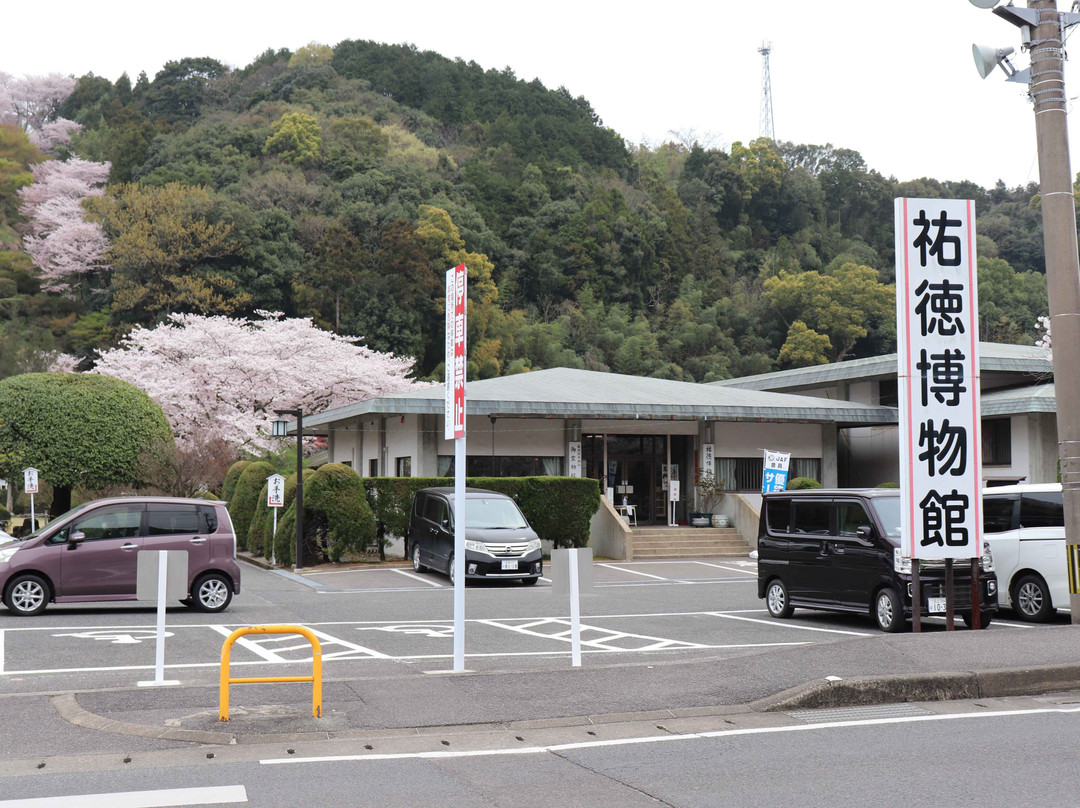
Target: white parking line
(729, 569)
(785, 624)
(633, 572)
(210, 795)
(415, 577)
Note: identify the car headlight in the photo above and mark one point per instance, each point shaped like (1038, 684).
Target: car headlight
(6, 553)
(987, 560)
(900, 564)
(476, 546)
(532, 546)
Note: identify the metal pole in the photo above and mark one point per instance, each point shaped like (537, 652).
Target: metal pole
(459, 554)
(1047, 89)
(299, 560)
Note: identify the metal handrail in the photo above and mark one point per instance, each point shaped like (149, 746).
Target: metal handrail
(316, 668)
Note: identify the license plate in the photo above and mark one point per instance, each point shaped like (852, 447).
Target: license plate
(510, 565)
(935, 605)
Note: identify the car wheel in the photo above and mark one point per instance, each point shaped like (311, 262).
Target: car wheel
(776, 599)
(212, 592)
(450, 569)
(27, 595)
(984, 619)
(530, 581)
(1031, 599)
(416, 565)
(888, 611)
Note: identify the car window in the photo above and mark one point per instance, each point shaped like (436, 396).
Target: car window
(778, 515)
(888, 513)
(435, 510)
(811, 517)
(493, 512)
(998, 514)
(850, 516)
(111, 522)
(1043, 509)
(167, 519)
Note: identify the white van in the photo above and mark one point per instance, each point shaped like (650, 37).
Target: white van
(1026, 525)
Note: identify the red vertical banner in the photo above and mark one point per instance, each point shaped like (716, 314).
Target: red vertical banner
(454, 366)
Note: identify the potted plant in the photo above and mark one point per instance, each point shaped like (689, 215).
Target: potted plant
(710, 492)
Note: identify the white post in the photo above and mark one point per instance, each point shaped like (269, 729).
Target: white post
(33, 517)
(459, 554)
(273, 561)
(575, 611)
(159, 655)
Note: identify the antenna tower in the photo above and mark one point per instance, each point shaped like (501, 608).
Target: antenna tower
(765, 128)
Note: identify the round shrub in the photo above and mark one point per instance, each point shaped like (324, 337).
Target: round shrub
(246, 496)
(337, 517)
(800, 483)
(285, 537)
(231, 476)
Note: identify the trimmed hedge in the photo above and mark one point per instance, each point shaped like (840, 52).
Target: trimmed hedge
(285, 538)
(245, 498)
(802, 483)
(558, 508)
(337, 517)
(231, 476)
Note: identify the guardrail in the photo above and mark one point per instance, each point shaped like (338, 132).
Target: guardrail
(316, 668)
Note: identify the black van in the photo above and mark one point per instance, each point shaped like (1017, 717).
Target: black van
(839, 550)
(498, 540)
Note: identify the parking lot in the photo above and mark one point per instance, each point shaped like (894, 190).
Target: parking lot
(373, 621)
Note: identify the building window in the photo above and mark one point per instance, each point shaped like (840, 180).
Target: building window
(888, 395)
(997, 442)
(745, 473)
(403, 466)
(373, 468)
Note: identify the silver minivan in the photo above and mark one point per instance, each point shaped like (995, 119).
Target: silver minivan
(1026, 524)
(91, 553)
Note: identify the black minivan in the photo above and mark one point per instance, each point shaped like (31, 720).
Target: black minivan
(839, 550)
(498, 540)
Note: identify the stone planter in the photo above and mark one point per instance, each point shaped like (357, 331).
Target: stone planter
(720, 520)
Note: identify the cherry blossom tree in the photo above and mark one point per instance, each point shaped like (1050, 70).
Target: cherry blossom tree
(32, 100)
(61, 243)
(219, 377)
(1045, 341)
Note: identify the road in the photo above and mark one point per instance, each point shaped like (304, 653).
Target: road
(672, 653)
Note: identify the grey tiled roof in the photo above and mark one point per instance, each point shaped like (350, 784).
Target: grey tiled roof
(569, 393)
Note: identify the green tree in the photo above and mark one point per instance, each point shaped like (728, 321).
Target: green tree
(296, 138)
(78, 430)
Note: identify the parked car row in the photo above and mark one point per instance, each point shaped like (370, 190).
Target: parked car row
(839, 550)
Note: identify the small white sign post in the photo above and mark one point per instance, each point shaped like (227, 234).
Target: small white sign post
(30, 486)
(161, 575)
(571, 574)
(454, 429)
(275, 498)
(673, 497)
(937, 333)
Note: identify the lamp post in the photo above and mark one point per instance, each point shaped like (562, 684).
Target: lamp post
(281, 430)
(1042, 33)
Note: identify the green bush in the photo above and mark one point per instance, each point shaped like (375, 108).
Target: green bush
(800, 483)
(889, 485)
(337, 517)
(231, 476)
(246, 496)
(285, 537)
(558, 508)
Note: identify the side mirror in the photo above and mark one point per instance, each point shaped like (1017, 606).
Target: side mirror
(864, 532)
(76, 536)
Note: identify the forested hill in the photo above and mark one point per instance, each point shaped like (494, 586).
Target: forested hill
(340, 183)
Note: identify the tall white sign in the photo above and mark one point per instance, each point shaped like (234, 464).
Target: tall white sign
(455, 356)
(937, 332)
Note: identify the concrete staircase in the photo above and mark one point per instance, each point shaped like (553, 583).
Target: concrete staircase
(688, 542)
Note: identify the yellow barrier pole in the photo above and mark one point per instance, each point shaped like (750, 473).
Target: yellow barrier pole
(316, 667)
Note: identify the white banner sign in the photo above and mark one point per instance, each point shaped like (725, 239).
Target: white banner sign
(30, 480)
(708, 458)
(937, 332)
(573, 459)
(275, 491)
(454, 369)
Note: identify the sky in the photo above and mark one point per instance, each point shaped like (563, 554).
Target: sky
(895, 82)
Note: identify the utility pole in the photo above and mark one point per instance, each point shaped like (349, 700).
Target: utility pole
(1047, 89)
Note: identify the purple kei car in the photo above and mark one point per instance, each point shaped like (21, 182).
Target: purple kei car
(91, 553)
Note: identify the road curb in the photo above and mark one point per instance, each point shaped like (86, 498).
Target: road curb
(862, 691)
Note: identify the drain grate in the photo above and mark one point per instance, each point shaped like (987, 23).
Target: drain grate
(860, 713)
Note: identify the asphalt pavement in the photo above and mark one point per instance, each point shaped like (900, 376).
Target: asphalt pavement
(410, 707)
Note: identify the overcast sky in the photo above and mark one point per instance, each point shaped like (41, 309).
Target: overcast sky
(894, 81)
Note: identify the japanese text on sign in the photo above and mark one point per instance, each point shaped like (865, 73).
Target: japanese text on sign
(455, 357)
(937, 334)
